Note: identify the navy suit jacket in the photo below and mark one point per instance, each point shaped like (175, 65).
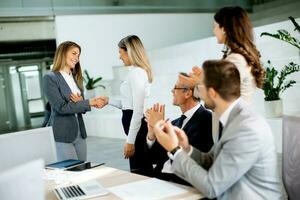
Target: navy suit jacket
(63, 118)
(199, 132)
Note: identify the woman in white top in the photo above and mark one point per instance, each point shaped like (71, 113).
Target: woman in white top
(64, 90)
(134, 91)
(232, 27)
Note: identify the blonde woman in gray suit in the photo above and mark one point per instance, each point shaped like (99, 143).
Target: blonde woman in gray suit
(134, 91)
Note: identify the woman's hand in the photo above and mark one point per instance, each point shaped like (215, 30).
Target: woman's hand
(104, 99)
(128, 150)
(98, 102)
(193, 79)
(76, 97)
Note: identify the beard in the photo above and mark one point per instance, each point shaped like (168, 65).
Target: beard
(209, 104)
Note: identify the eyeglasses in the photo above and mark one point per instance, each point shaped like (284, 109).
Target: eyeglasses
(180, 88)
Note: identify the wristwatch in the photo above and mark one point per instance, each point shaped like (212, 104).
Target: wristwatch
(172, 153)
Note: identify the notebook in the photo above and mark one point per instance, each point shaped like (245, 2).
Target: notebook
(65, 164)
(85, 190)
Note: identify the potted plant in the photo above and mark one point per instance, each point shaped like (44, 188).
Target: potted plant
(275, 83)
(91, 84)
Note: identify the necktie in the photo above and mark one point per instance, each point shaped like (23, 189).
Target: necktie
(220, 130)
(180, 121)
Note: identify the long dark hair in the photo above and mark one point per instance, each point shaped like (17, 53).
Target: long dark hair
(239, 38)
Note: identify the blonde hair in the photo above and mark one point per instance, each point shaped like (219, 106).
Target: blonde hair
(137, 54)
(59, 61)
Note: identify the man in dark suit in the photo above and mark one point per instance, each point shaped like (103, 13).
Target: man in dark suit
(195, 120)
(242, 164)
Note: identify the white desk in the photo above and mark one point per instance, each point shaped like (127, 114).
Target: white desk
(109, 177)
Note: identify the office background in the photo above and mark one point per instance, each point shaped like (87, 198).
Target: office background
(177, 35)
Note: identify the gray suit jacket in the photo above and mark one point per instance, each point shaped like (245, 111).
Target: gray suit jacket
(63, 111)
(241, 165)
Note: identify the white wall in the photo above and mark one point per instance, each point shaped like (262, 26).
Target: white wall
(99, 35)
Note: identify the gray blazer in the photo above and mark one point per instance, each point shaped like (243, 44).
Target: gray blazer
(242, 165)
(63, 111)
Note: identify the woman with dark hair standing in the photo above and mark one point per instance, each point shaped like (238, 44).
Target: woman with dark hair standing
(64, 90)
(134, 91)
(232, 27)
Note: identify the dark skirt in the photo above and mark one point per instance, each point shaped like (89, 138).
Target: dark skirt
(139, 162)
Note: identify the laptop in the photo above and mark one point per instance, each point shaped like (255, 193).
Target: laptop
(85, 190)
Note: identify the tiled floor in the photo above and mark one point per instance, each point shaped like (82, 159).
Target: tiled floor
(107, 150)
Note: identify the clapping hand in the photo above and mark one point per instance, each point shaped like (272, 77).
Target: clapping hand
(193, 79)
(165, 134)
(170, 136)
(75, 97)
(183, 140)
(153, 115)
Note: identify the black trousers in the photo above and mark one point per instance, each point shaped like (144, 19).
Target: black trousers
(139, 162)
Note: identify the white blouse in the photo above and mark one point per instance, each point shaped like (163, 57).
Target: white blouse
(248, 85)
(71, 82)
(134, 92)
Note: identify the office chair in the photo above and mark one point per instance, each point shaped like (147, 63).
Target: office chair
(20, 147)
(291, 156)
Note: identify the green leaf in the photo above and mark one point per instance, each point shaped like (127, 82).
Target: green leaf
(285, 36)
(91, 82)
(273, 90)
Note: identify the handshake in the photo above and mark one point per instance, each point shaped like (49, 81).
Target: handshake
(97, 102)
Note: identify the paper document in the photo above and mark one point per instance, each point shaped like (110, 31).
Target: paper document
(146, 189)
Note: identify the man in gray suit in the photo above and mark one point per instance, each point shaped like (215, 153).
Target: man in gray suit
(242, 163)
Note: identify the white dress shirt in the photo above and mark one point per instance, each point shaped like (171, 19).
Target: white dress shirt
(71, 82)
(134, 92)
(223, 120)
(226, 113)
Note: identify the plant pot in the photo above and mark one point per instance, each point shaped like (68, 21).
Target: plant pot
(273, 108)
(89, 94)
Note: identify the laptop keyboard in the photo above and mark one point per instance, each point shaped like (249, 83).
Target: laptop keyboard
(72, 191)
(83, 190)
